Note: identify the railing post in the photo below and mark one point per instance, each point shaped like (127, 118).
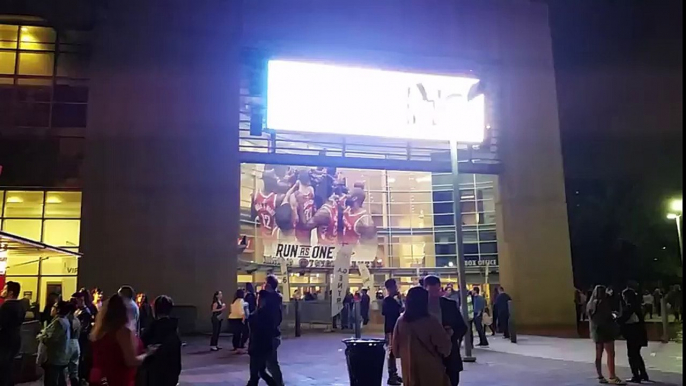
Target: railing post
(297, 318)
(665, 320)
(512, 322)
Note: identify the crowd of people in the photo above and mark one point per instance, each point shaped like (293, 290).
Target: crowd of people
(122, 340)
(254, 319)
(426, 328)
(651, 302)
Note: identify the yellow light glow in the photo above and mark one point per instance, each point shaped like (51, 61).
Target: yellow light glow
(672, 216)
(14, 200)
(53, 200)
(676, 205)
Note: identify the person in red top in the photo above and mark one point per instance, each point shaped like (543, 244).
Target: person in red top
(304, 197)
(117, 351)
(264, 209)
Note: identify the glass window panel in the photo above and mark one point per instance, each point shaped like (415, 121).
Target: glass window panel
(468, 207)
(489, 248)
(32, 92)
(22, 264)
(447, 219)
(29, 286)
(8, 36)
(72, 66)
(2, 202)
(30, 229)
(32, 114)
(36, 63)
(61, 233)
(487, 218)
(37, 38)
(471, 249)
(69, 115)
(469, 237)
(467, 194)
(487, 235)
(60, 265)
(485, 194)
(7, 62)
(23, 204)
(71, 91)
(63, 204)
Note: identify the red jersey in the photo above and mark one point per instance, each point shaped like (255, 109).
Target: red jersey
(305, 205)
(265, 207)
(350, 220)
(328, 233)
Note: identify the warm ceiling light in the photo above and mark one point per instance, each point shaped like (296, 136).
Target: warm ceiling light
(53, 200)
(14, 200)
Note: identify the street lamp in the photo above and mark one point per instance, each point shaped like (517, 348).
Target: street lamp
(676, 207)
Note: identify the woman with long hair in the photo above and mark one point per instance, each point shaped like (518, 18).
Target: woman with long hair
(421, 342)
(144, 311)
(218, 307)
(117, 351)
(237, 318)
(604, 331)
(632, 321)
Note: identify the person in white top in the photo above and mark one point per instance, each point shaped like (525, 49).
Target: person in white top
(237, 317)
(648, 304)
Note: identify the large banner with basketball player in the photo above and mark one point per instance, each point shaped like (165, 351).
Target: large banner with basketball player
(306, 215)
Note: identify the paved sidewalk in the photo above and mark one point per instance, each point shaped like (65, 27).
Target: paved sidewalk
(318, 360)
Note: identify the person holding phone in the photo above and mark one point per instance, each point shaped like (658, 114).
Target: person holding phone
(218, 307)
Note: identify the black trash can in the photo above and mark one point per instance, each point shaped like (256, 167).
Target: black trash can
(365, 359)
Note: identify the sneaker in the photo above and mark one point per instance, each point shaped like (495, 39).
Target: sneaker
(214, 348)
(602, 380)
(635, 380)
(395, 381)
(645, 378)
(616, 381)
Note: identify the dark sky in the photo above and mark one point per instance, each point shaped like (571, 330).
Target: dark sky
(619, 75)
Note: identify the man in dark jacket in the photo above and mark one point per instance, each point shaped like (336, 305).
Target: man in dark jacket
(391, 308)
(365, 302)
(262, 338)
(447, 312)
(164, 366)
(503, 309)
(274, 307)
(12, 315)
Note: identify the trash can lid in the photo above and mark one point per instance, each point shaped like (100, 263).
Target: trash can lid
(364, 341)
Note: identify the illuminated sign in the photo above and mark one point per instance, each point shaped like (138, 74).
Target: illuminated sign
(329, 99)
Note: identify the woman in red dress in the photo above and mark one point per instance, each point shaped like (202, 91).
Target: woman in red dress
(117, 351)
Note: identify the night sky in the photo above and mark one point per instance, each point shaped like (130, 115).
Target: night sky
(619, 75)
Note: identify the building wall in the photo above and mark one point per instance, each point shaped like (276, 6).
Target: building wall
(160, 184)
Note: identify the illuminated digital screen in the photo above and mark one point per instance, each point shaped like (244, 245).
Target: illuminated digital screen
(331, 99)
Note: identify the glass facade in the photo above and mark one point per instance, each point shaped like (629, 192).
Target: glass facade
(413, 213)
(43, 103)
(51, 217)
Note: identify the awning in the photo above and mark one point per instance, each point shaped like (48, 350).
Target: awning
(29, 251)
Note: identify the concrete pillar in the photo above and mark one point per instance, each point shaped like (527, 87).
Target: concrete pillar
(161, 175)
(533, 234)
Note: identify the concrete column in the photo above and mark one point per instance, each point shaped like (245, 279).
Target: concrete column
(161, 175)
(535, 254)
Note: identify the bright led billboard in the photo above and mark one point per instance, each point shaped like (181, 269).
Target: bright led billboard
(332, 99)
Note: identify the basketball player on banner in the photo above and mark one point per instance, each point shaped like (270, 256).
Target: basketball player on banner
(264, 210)
(358, 228)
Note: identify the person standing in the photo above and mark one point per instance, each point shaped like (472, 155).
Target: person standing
(633, 329)
(648, 304)
(274, 306)
(11, 318)
(675, 300)
(448, 314)
(502, 308)
(163, 368)
(56, 339)
(117, 351)
(365, 302)
(129, 296)
(421, 343)
(479, 303)
(604, 331)
(144, 311)
(74, 347)
(218, 307)
(237, 318)
(262, 338)
(657, 300)
(83, 314)
(391, 308)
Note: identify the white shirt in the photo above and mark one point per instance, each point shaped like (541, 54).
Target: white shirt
(647, 299)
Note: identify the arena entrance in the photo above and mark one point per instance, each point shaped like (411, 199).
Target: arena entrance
(306, 188)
